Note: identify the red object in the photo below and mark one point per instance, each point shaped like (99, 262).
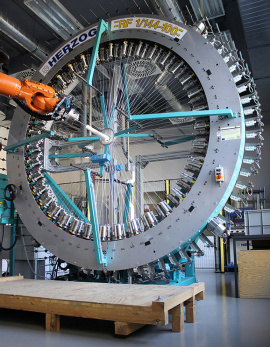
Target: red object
(219, 176)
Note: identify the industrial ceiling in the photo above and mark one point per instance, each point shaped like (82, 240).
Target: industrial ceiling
(247, 21)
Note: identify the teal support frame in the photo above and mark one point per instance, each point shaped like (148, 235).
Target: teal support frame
(63, 196)
(12, 251)
(126, 130)
(102, 26)
(135, 135)
(189, 274)
(103, 107)
(70, 155)
(11, 148)
(101, 259)
(125, 89)
(112, 115)
(127, 202)
(78, 139)
(106, 150)
(176, 141)
(207, 113)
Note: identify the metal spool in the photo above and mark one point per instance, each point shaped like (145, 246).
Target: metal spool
(103, 233)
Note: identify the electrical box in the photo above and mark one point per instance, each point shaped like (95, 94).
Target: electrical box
(219, 174)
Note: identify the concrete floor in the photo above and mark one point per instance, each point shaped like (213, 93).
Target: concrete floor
(222, 321)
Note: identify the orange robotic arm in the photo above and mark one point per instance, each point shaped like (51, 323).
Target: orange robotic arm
(38, 97)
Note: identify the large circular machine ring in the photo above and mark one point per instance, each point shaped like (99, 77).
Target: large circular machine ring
(205, 199)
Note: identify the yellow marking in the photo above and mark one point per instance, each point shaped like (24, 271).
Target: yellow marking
(129, 21)
(168, 189)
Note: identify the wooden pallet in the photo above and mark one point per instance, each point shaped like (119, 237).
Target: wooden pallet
(130, 306)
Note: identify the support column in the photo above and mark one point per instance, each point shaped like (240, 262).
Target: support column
(52, 322)
(177, 318)
(190, 310)
(139, 186)
(84, 108)
(12, 251)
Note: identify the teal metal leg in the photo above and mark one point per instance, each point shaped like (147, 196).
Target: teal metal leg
(101, 259)
(12, 251)
(189, 274)
(102, 26)
(127, 202)
(63, 196)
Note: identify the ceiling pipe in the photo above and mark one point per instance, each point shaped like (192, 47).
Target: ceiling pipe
(169, 9)
(17, 35)
(166, 93)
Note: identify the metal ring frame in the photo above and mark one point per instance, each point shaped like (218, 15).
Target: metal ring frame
(204, 201)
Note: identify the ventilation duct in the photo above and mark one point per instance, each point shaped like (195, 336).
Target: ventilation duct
(169, 9)
(163, 89)
(17, 35)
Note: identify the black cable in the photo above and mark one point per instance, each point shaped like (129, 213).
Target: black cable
(16, 237)
(24, 106)
(54, 270)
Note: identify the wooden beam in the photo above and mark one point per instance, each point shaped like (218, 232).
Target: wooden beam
(177, 318)
(52, 322)
(125, 328)
(200, 296)
(190, 310)
(11, 278)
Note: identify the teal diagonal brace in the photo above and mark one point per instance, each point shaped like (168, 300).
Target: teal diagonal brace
(76, 139)
(102, 26)
(112, 115)
(64, 197)
(135, 135)
(104, 111)
(126, 130)
(70, 155)
(176, 141)
(106, 150)
(93, 217)
(127, 202)
(31, 139)
(207, 113)
(125, 89)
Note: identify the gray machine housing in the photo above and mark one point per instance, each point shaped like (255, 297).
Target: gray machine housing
(204, 201)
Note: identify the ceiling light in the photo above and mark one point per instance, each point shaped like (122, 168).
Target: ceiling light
(53, 13)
